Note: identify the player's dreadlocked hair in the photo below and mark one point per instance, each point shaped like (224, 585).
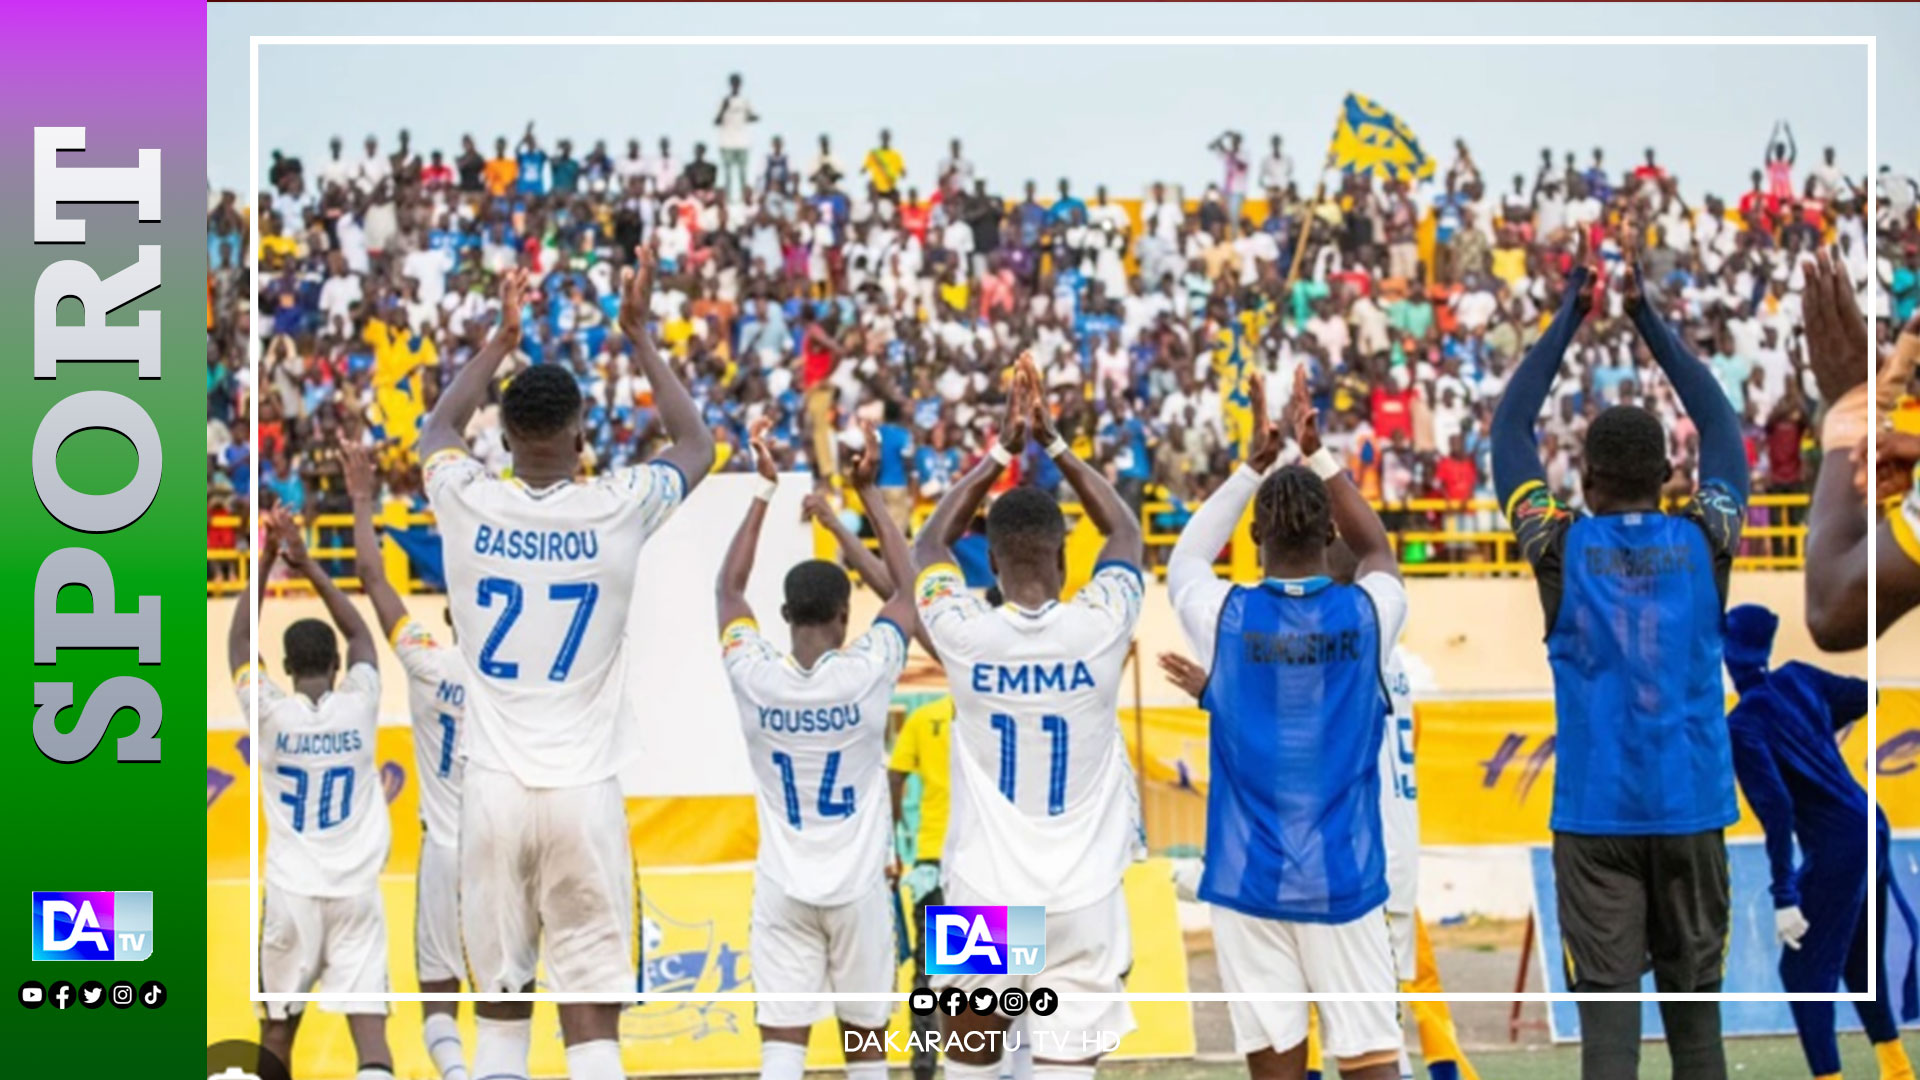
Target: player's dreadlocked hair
(540, 402)
(817, 593)
(1292, 513)
(311, 649)
(1025, 526)
(1626, 454)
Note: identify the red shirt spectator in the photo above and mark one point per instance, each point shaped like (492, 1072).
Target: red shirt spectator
(913, 218)
(1392, 412)
(1457, 478)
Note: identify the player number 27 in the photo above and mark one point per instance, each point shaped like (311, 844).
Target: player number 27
(1056, 729)
(513, 598)
(828, 805)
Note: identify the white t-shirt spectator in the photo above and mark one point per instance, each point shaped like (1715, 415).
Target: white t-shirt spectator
(430, 268)
(1163, 219)
(1474, 309)
(370, 170)
(1276, 171)
(1252, 250)
(734, 112)
(337, 297)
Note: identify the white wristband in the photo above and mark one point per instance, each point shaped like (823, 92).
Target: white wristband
(1251, 473)
(1323, 464)
(1057, 447)
(766, 489)
(1000, 454)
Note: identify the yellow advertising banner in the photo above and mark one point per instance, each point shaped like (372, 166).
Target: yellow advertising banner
(1485, 768)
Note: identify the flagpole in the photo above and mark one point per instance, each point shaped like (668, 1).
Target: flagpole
(1306, 222)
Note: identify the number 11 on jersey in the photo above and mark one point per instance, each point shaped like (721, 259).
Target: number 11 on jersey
(1056, 729)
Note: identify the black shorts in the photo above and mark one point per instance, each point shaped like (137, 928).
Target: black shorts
(1629, 904)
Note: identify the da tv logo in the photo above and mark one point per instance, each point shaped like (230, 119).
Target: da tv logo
(92, 925)
(980, 939)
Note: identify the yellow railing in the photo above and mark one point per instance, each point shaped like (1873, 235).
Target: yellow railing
(221, 581)
(1451, 540)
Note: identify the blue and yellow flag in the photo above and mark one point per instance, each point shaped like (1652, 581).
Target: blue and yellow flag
(1369, 139)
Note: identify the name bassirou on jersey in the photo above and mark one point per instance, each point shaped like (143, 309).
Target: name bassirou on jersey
(536, 545)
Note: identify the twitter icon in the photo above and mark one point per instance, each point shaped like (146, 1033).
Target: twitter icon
(92, 994)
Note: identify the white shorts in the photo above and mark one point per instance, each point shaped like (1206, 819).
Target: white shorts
(337, 944)
(436, 913)
(1400, 937)
(552, 864)
(800, 948)
(1089, 951)
(1268, 956)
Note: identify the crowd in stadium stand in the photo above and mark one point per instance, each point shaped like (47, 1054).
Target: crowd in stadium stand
(817, 287)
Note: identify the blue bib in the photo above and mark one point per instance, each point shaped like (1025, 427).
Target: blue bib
(1298, 711)
(1636, 652)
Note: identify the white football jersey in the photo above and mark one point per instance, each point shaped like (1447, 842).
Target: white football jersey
(1399, 808)
(327, 830)
(437, 700)
(817, 740)
(1044, 805)
(539, 583)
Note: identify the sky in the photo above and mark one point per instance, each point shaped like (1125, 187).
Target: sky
(1125, 115)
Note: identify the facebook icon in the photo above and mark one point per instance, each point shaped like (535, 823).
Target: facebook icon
(984, 939)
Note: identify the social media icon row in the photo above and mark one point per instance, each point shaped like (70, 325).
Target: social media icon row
(92, 995)
(1010, 1002)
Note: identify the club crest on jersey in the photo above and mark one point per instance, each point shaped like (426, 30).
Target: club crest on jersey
(939, 586)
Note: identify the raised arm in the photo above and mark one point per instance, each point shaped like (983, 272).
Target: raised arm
(363, 488)
(955, 511)
(239, 653)
(899, 608)
(692, 443)
(1516, 459)
(1723, 454)
(346, 618)
(1103, 505)
(1356, 522)
(737, 566)
(871, 568)
(1840, 519)
(445, 427)
(1211, 527)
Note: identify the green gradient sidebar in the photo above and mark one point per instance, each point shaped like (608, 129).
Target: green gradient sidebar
(102, 428)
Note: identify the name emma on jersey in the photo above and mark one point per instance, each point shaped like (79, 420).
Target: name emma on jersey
(1056, 677)
(536, 545)
(318, 742)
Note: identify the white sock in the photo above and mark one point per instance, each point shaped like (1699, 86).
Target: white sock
(784, 1060)
(1050, 1071)
(867, 1070)
(501, 1048)
(367, 1073)
(957, 1070)
(442, 1035)
(596, 1060)
(1406, 1065)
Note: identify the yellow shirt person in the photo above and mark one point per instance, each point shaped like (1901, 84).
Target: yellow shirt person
(921, 750)
(884, 166)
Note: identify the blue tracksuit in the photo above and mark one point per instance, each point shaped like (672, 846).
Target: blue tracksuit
(1788, 761)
